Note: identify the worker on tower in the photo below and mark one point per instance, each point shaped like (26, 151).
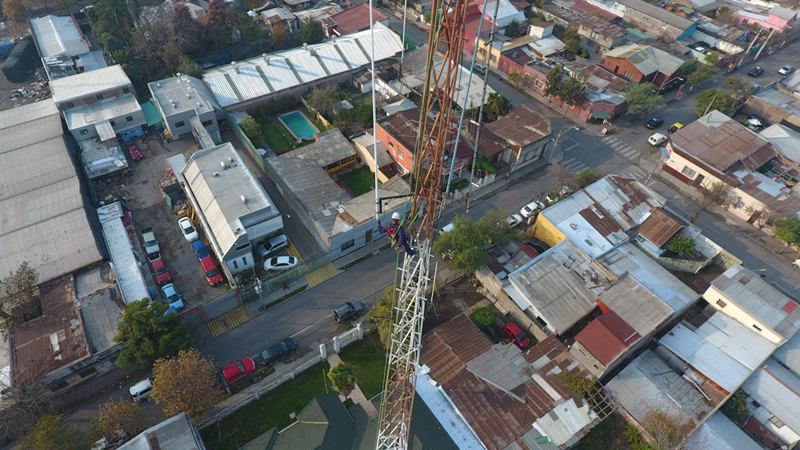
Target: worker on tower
(397, 234)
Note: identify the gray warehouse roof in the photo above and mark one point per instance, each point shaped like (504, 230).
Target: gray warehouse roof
(330, 146)
(44, 218)
(659, 13)
(58, 36)
(187, 93)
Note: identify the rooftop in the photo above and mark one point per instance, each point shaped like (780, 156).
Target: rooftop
(329, 147)
(130, 280)
(779, 99)
(402, 127)
(42, 196)
(778, 390)
(280, 13)
(101, 305)
(659, 13)
(607, 337)
(179, 94)
(584, 8)
(788, 354)
(355, 19)
(366, 140)
(659, 228)
(785, 140)
(58, 36)
(101, 158)
(720, 433)
(232, 84)
(448, 348)
(647, 59)
(760, 299)
(633, 303)
(361, 209)
(88, 83)
(91, 115)
(467, 85)
(521, 127)
(175, 433)
(547, 46)
(602, 26)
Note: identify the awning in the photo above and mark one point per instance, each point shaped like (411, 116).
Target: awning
(601, 114)
(150, 113)
(105, 130)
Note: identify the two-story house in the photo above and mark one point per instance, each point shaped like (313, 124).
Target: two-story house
(281, 16)
(598, 35)
(778, 18)
(185, 104)
(645, 63)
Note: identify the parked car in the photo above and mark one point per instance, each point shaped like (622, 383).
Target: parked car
(238, 370)
(141, 390)
(212, 272)
(172, 297)
(161, 272)
(786, 70)
(755, 71)
(273, 245)
(280, 263)
(516, 335)
(657, 139)
(348, 311)
(514, 220)
(480, 69)
(447, 228)
(701, 50)
(275, 351)
(675, 127)
(755, 122)
(188, 230)
(538, 245)
(199, 249)
(135, 153)
(531, 208)
(150, 244)
(654, 123)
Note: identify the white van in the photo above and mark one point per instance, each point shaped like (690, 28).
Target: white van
(141, 390)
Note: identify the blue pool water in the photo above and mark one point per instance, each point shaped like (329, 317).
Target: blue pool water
(299, 125)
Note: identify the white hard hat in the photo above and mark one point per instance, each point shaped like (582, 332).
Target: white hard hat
(395, 215)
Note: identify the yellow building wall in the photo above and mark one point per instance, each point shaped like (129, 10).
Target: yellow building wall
(546, 231)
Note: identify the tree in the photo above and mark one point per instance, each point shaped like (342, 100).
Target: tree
(500, 231)
(738, 89)
(736, 406)
(553, 82)
(187, 33)
(147, 332)
(642, 98)
(497, 104)
(426, 16)
(682, 245)
(572, 91)
(563, 177)
(666, 433)
(112, 16)
(710, 100)
(724, 14)
(343, 377)
(119, 415)
(513, 29)
(19, 297)
(324, 100)
(311, 33)
(187, 66)
(701, 73)
(515, 78)
(713, 192)
(572, 41)
(29, 392)
(586, 177)
(483, 317)
(50, 433)
(222, 24)
(462, 246)
(278, 33)
(762, 217)
(381, 315)
(713, 58)
(788, 230)
(15, 10)
(184, 383)
(252, 130)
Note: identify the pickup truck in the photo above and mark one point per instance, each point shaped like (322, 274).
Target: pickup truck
(150, 244)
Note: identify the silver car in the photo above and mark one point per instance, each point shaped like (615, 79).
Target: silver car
(273, 245)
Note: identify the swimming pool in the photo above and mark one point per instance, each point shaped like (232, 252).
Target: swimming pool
(299, 125)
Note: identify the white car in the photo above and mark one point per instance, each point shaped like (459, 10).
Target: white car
(279, 263)
(657, 139)
(531, 208)
(514, 220)
(786, 70)
(188, 229)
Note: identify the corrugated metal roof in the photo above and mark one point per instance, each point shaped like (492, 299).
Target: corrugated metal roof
(789, 354)
(564, 421)
(636, 305)
(783, 13)
(442, 408)
(607, 337)
(785, 140)
(778, 390)
(659, 228)
(547, 46)
(531, 437)
(760, 299)
(506, 12)
(658, 13)
(647, 59)
(720, 433)
(126, 267)
(330, 146)
(175, 433)
(257, 77)
(58, 36)
(88, 83)
(722, 349)
(448, 348)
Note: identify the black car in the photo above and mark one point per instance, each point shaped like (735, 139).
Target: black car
(671, 85)
(755, 71)
(348, 311)
(277, 350)
(538, 245)
(654, 123)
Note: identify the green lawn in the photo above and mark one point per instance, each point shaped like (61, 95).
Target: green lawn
(368, 358)
(277, 136)
(360, 180)
(270, 411)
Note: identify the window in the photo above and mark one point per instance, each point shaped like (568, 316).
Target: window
(99, 96)
(688, 172)
(739, 204)
(113, 124)
(721, 304)
(400, 155)
(235, 266)
(628, 74)
(84, 132)
(208, 123)
(504, 64)
(494, 58)
(126, 90)
(757, 327)
(539, 84)
(243, 246)
(391, 144)
(129, 118)
(179, 124)
(348, 244)
(70, 105)
(244, 260)
(777, 422)
(527, 77)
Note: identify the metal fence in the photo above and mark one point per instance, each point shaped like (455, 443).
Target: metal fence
(249, 292)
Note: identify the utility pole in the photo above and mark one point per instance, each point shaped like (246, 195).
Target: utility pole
(744, 54)
(765, 44)
(550, 160)
(711, 103)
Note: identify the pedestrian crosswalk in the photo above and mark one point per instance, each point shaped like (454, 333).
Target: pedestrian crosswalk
(325, 272)
(573, 165)
(622, 148)
(636, 173)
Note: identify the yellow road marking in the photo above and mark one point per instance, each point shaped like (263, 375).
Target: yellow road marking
(325, 272)
(227, 321)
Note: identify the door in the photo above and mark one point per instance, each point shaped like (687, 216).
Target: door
(368, 237)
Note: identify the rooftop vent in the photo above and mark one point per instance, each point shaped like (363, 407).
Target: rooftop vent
(188, 96)
(334, 39)
(174, 105)
(222, 165)
(243, 199)
(235, 66)
(215, 174)
(230, 160)
(158, 84)
(305, 45)
(199, 104)
(74, 324)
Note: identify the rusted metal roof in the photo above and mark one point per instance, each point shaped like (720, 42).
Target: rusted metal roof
(607, 337)
(448, 348)
(659, 228)
(521, 127)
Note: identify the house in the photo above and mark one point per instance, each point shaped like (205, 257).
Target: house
(352, 20)
(48, 217)
(183, 100)
(786, 142)
(644, 63)
(582, 8)
(365, 151)
(509, 398)
(706, 7)
(100, 104)
(281, 17)
(656, 20)
(777, 18)
(63, 47)
(775, 106)
(243, 84)
(506, 12)
(598, 35)
(230, 203)
(726, 37)
(175, 433)
(539, 44)
(522, 135)
(330, 150)
(718, 149)
(297, 5)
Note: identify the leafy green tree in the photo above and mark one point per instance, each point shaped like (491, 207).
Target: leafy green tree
(483, 317)
(461, 247)
(311, 33)
(120, 414)
(642, 98)
(184, 383)
(738, 89)
(513, 29)
(713, 58)
(426, 16)
(111, 42)
(682, 245)
(147, 332)
(497, 104)
(710, 100)
(585, 178)
(572, 91)
(252, 130)
(788, 230)
(381, 315)
(701, 73)
(572, 41)
(553, 82)
(736, 406)
(324, 100)
(187, 66)
(343, 377)
(515, 78)
(50, 433)
(19, 297)
(500, 232)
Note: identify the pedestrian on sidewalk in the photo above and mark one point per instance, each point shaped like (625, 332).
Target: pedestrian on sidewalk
(507, 174)
(285, 286)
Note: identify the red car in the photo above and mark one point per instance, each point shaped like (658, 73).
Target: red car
(212, 272)
(238, 370)
(135, 153)
(161, 271)
(516, 335)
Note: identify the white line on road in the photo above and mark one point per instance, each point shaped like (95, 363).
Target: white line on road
(312, 325)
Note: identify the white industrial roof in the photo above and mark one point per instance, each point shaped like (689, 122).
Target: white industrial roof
(58, 36)
(720, 433)
(129, 275)
(44, 219)
(90, 115)
(446, 413)
(258, 76)
(785, 140)
(219, 196)
(185, 92)
(722, 349)
(88, 83)
(778, 390)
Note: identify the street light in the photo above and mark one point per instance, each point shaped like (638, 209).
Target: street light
(550, 161)
(260, 298)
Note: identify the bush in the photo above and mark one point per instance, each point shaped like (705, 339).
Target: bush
(736, 407)
(682, 245)
(343, 377)
(483, 317)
